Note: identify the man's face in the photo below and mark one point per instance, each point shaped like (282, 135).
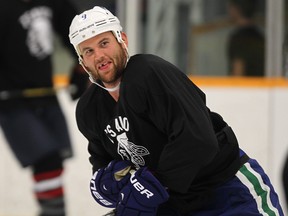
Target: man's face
(104, 58)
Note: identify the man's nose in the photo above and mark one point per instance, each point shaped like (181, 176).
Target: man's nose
(98, 55)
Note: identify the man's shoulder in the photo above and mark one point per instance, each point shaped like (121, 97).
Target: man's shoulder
(140, 67)
(145, 64)
(145, 58)
(86, 98)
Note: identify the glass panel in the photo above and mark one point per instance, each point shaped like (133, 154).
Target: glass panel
(195, 35)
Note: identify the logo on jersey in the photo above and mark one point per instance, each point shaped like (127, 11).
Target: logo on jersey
(126, 149)
(37, 22)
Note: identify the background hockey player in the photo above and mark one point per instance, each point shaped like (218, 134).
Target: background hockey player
(35, 127)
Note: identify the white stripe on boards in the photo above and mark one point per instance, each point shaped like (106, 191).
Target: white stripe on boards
(48, 184)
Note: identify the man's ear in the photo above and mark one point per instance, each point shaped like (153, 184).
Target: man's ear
(124, 38)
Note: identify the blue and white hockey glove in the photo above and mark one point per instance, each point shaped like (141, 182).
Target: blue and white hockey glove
(107, 182)
(142, 195)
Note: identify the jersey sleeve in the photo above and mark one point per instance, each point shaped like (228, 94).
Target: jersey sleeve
(191, 144)
(64, 12)
(98, 155)
(5, 25)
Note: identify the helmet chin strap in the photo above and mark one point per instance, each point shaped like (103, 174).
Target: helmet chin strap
(107, 89)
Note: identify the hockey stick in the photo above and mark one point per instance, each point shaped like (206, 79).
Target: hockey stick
(111, 213)
(34, 92)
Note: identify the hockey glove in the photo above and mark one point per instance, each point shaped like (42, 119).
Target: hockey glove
(142, 195)
(79, 79)
(107, 182)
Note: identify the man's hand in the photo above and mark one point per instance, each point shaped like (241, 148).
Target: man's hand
(107, 182)
(142, 195)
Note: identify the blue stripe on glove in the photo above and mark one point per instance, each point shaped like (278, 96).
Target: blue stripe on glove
(142, 195)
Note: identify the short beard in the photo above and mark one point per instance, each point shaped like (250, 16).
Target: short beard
(119, 68)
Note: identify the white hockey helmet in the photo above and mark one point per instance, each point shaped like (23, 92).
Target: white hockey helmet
(91, 23)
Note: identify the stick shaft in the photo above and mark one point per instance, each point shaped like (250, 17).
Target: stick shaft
(33, 92)
(111, 213)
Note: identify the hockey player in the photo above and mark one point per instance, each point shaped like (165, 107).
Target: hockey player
(155, 148)
(35, 127)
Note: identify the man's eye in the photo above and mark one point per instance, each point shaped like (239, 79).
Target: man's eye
(104, 43)
(88, 52)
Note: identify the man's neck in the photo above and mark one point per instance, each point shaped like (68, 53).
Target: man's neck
(115, 94)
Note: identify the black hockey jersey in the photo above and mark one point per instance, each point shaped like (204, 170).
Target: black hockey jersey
(160, 121)
(27, 44)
